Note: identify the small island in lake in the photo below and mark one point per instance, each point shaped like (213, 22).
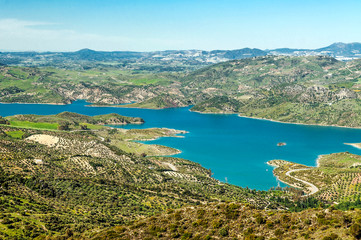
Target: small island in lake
(280, 144)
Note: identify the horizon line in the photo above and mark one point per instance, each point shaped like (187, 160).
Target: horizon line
(85, 48)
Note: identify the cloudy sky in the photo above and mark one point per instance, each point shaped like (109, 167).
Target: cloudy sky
(147, 25)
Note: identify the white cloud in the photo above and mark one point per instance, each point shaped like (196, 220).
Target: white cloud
(19, 35)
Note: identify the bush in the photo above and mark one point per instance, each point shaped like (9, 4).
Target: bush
(217, 223)
(187, 235)
(4, 121)
(64, 126)
(278, 232)
(260, 220)
(249, 231)
(332, 236)
(355, 230)
(223, 232)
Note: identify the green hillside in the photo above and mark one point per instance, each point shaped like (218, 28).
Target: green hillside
(312, 90)
(73, 121)
(237, 221)
(56, 183)
(100, 184)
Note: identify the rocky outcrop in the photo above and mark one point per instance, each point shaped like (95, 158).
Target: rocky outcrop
(318, 94)
(91, 94)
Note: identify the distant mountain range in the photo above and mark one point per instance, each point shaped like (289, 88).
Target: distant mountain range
(175, 58)
(340, 51)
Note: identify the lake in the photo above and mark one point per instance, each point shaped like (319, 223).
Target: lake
(236, 149)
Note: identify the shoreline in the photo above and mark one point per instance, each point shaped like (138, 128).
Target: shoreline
(311, 187)
(149, 141)
(125, 106)
(277, 178)
(355, 145)
(215, 113)
(276, 121)
(62, 104)
(318, 160)
(223, 113)
(175, 134)
(177, 151)
(305, 124)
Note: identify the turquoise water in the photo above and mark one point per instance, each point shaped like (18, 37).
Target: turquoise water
(234, 148)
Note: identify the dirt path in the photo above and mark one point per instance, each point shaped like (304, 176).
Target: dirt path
(311, 187)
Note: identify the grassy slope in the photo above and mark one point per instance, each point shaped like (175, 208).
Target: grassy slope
(122, 139)
(44, 85)
(266, 71)
(280, 88)
(236, 221)
(82, 183)
(126, 140)
(159, 102)
(75, 120)
(265, 87)
(338, 176)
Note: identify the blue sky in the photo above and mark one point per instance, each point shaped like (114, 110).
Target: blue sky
(141, 25)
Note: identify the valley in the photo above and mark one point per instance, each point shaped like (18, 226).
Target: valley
(311, 90)
(80, 168)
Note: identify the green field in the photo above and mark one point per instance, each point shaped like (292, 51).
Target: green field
(15, 134)
(37, 125)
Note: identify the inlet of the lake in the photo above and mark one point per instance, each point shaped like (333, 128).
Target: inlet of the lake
(236, 149)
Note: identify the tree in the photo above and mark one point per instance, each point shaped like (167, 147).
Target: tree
(64, 126)
(4, 121)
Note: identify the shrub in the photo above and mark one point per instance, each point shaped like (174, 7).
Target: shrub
(260, 220)
(64, 126)
(278, 232)
(269, 224)
(178, 216)
(187, 235)
(223, 232)
(307, 221)
(355, 230)
(249, 231)
(217, 224)
(332, 236)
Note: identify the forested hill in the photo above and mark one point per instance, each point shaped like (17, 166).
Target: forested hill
(312, 89)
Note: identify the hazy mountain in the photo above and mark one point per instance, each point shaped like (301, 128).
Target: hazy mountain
(169, 60)
(343, 49)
